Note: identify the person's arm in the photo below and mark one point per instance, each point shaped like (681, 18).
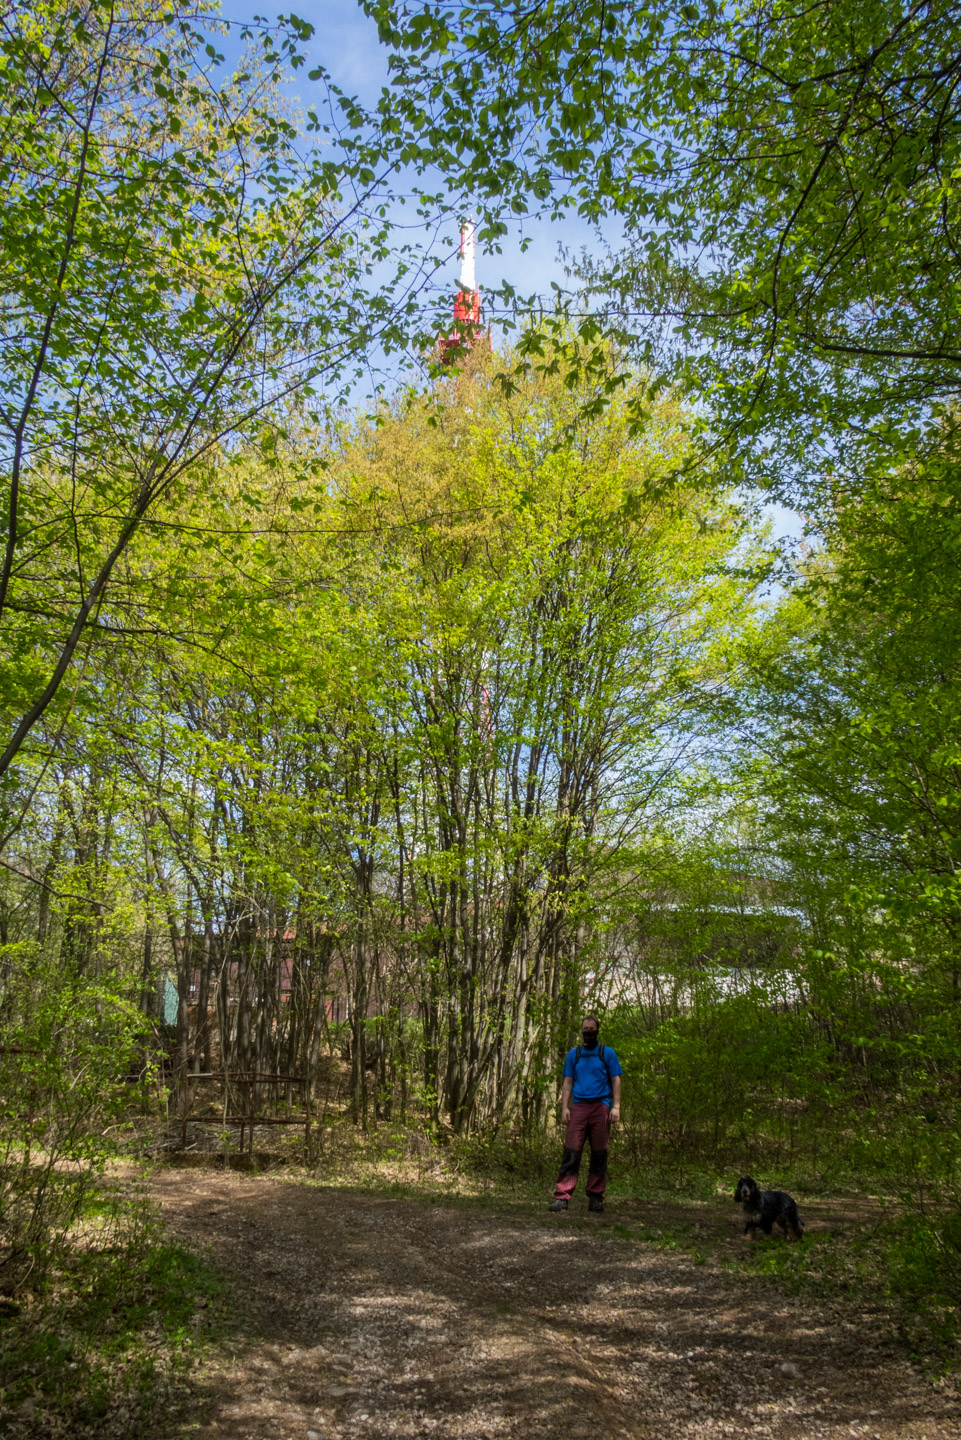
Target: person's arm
(616, 1098)
(566, 1089)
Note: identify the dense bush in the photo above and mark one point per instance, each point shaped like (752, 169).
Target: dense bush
(69, 1070)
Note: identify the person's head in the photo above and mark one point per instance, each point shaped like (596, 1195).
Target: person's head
(589, 1028)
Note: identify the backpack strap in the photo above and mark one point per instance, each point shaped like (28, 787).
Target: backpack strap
(607, 1071)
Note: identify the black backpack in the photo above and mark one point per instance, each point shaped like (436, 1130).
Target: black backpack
(607, 1068)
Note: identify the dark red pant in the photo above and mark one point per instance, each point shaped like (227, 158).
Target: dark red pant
(590, 1121)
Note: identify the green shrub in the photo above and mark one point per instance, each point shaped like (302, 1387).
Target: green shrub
(65, 1077)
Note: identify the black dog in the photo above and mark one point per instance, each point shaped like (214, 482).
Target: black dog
(767, 1208)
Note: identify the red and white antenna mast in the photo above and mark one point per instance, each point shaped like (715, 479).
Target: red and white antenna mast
(467, 304)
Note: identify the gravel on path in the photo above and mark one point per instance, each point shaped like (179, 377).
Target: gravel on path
(371, 1317)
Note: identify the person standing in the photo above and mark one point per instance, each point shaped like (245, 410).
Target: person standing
(590, 1103)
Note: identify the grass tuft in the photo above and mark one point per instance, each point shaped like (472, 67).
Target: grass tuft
(108, 1344)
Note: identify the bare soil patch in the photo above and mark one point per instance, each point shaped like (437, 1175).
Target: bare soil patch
(367, 1316)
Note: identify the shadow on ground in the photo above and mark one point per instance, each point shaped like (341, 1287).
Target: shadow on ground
(375, 1316)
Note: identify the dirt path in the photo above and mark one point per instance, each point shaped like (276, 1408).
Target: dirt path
(368, 1317)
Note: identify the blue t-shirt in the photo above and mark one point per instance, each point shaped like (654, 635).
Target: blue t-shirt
(590, 1078)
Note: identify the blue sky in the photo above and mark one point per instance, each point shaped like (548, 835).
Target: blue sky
(345, 42)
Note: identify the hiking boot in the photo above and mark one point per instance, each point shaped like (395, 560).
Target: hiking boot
(596, 1203)
(558, 1206)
